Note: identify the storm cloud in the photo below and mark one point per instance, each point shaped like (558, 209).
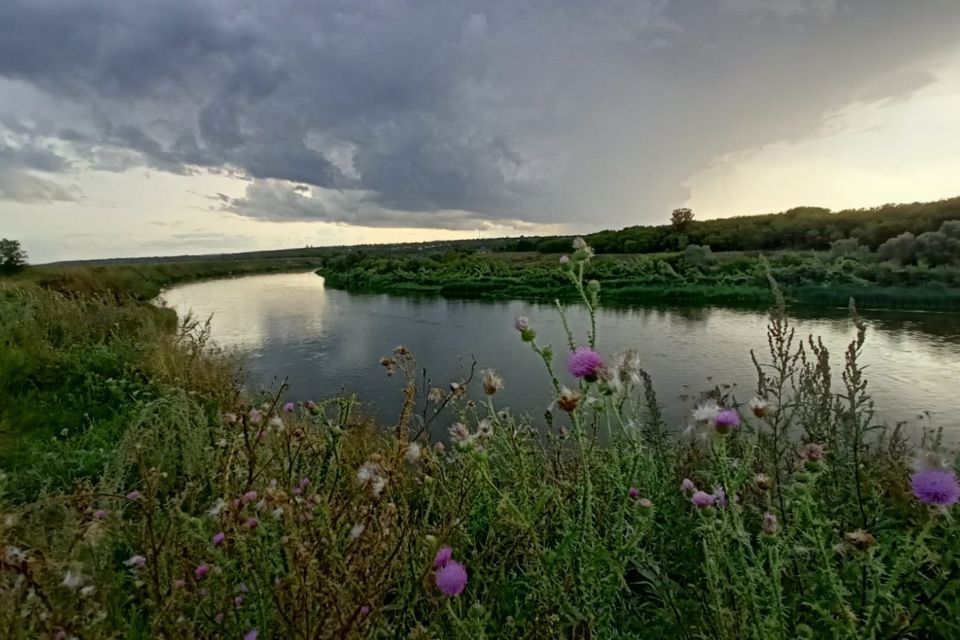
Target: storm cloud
(454, 115)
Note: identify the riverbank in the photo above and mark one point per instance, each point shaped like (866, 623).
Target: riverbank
(146, 281)
(735, 278)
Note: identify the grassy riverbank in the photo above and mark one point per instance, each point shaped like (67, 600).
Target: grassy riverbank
(157, 501)
(690, 277)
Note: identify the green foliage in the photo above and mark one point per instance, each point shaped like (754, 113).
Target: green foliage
(12, 256)
(697, 275)
(212, 515)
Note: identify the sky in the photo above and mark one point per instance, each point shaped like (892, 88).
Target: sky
(136, 127)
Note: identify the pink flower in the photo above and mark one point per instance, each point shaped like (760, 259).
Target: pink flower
(585, 363)
(249, 496)
(702, 500)
(256, 417)
(237, 601)
(289, 407)
(218, 538)
(725, 420)
(364, 610)
(444, 554)
(633, 493)
(250, 635)
(133, 495)
(521, 323)
(252, 523)
(201, 571)
(687, 486)
(218, 618)
(137, 562)
(451, 578)
(99, 514)
(646, 503)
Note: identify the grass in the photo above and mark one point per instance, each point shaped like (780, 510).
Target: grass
(206, 513)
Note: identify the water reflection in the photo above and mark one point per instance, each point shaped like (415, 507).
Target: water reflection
(326, 341)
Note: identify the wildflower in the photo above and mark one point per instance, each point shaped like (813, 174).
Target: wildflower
(179, 584)
(725, 420)
(646, 503)
(585, 363)
(201, 571)
(444, 555)
(769, 525)
(255, 416)
(364, 610)
(484, 429)
(936, 487)
(133, 496)
(218, 618)
(763, 481)
(760, 407)
(704, 413)
(218, 538)
(277, 513)
(625, 368)
(568, 400)
(237, 601)
(521, 323)
(436, 395)
(251, 523)
(861, 539)
(492, 382)
(136, 562)
(289, 407)
(277, 423)
(250, 635)
(377, 486)
(813, 452)
(357, 530)
(564, 259)
(439, 448)
(88, 591)
(367, 472)
(459, 433)
(229, 417)
(451, 578)
(702, 500)
(687, 486)
(633, 493)
(249, 496)
(99, 514)
(412, 454)
(720, 495)
(217, 508)
(73, 580)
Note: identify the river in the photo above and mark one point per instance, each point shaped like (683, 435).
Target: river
(324, 341)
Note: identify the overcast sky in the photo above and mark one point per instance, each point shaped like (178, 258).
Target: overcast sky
(140, 127)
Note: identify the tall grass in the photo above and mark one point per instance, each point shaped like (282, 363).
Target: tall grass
(787, 514)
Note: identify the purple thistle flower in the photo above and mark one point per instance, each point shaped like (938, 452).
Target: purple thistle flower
(218, 618)
(725, 420)
(255, 416)
(585, 363)
(451, 578)
(521, 323)
(249, 496)
(444, 554)
(702, 500)
(364, 610)
(218, 538)
(250, 635)
(252, 523)
(237, 601)
(687, 486)
(633, 493)
(133, 495)
(289, 407)
(936, 487)
(769, 525)
(137, 562)
(99, 514)
(201, 571)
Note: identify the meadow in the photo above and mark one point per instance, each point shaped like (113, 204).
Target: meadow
(146, 495)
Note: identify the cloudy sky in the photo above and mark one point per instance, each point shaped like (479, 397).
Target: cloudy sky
(140, 127)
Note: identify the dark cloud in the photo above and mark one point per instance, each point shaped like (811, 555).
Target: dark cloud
(446, 114)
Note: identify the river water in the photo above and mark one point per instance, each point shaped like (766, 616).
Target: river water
(324, 341)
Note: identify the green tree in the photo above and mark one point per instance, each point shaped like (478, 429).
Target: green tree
(681, 219)
(901, 248)
(12, 256)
